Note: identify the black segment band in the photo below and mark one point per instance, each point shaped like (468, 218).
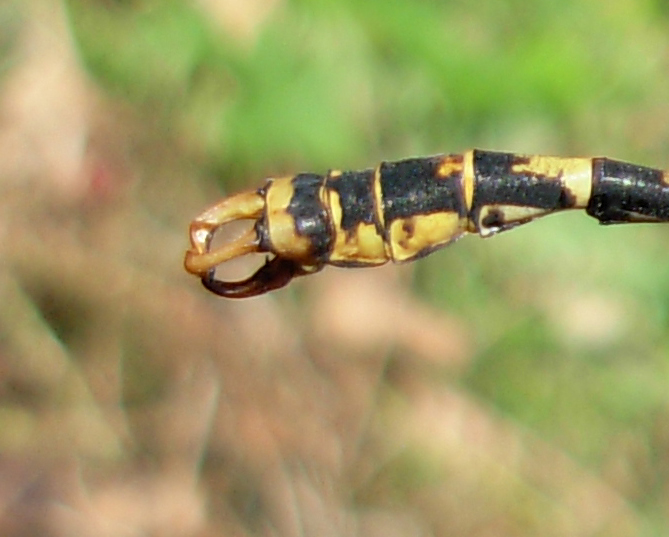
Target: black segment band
(356, 197)
(413, 187)
(497, 184)
(623, 192)
(311, 216)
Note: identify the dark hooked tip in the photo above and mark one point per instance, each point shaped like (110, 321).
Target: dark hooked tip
(272, 275)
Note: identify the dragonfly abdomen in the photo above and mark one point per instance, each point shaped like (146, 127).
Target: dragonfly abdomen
(403, 210)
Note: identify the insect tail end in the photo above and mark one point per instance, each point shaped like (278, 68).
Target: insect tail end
(272, 275)
(199, 258)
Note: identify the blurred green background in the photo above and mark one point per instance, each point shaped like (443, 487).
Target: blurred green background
(513, 386)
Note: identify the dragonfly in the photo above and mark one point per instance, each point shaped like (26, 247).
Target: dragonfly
(404, 210)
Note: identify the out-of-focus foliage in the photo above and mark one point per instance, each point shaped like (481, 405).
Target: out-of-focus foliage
(515, 386)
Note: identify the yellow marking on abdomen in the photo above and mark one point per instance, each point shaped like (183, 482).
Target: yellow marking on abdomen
(378, 208)
(410, 237)
(363, 245)
(286, 242)
(509, 216)
(450, 165)
(575, 174)
(468, 182)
